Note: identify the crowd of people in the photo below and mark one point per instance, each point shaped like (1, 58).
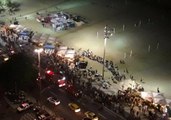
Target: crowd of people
(113, 68)
(129, 98)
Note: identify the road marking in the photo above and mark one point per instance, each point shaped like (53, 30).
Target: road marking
(102, 116)
(110, 111)
(62, 90)
(83, 104)
(53, 93)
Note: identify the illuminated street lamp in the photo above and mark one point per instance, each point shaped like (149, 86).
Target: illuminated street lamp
(107, 33)
(38, 51)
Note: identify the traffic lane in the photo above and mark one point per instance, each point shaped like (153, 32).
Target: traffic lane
(86, 105)
(7, 112)
(62, 109)
(104, 114)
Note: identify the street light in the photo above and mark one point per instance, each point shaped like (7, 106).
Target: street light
(38, 51)
(107, 33)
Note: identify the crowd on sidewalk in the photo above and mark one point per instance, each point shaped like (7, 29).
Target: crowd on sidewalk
(126, 98)
(139, 108)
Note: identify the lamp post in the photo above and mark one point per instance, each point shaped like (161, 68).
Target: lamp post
(38, 51)
(107, 33)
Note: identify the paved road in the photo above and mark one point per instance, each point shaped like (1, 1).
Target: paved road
(85, 104)
(62, 109)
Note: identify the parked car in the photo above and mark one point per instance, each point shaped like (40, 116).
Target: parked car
(15, 97)
(74, 107)
(24, 106)
(53, 100)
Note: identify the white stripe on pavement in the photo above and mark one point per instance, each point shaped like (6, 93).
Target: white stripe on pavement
(102, 116)
(110, 111)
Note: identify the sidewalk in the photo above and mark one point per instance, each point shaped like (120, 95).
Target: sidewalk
(87, 99)
(116, 85)
(113, 89)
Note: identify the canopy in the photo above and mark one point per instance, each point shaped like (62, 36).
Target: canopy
(62, 50)
(168, 101)
(158, 98)
(161, 101)
(147, 96)
(49, 47)
(12, 26)
(25, 33)
(36, 37)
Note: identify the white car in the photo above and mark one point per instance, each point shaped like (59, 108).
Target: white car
(53, 100)
(24, 106)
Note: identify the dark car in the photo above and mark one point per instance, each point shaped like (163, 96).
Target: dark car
(15, 97)
(25, 106)
(36, 109)
(43, 115)
(78, 18)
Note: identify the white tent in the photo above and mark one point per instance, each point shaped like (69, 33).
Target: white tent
(19, 28)
(158, 98)
(157, 95)
(147, 96)
(43, 38)
(70, 54)
(13, 26)
(36, 37)
(161, 101)
(168, 102)
(62, 50)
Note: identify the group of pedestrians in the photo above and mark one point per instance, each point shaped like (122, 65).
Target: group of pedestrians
(113, 68)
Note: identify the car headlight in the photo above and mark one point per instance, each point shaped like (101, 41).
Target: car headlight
(57, 103)
(78, 110)
(63, 78)
(95, 118)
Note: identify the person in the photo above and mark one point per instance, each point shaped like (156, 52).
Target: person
(122, 87)
(126, 71)
(141, 80)
(158, 90)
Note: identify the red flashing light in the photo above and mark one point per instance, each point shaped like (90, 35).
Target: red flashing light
(49, 72)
